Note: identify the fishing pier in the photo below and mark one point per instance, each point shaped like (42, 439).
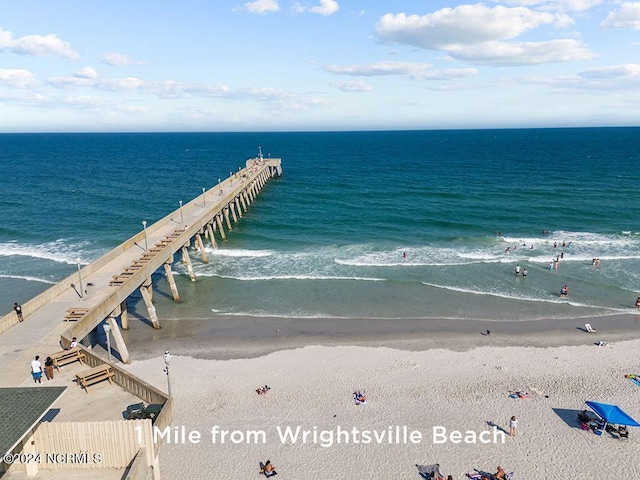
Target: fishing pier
(93, 301)
(98, 291)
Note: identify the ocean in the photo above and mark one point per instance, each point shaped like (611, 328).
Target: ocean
(389, 225)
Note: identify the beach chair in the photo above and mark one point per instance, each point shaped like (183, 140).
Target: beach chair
(589, 328)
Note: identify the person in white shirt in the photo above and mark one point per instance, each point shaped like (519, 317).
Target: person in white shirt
(36, 370)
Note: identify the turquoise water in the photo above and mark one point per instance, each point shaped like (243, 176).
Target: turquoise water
(329, 238)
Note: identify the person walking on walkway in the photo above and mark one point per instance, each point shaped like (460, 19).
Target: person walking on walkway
(18, 310)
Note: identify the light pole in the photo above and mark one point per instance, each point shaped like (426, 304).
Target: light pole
(181, 217)
(204, 197)
(219, 188)
(80, 278)
(167, 359)
(107, 330)
(146, 244)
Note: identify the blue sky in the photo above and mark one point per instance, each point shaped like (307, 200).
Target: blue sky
(280, 65)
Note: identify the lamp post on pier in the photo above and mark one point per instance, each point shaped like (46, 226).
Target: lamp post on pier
(181, 217)
(146, 243)
(204, 197)
(80, 278)
(167, 359)
(107, 330)
(219, 188)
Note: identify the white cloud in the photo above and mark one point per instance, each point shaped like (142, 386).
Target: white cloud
(326, 7)
(627, 16)
(525, 53)
(352, 86)
(465, 24)
(117, 59)
(111, 84)
(447, 74)
(86, 72)
(594, 80)
(479, 34)
(418, 71)
(262, 6)
(37, 45)
(78, 101)
(558, 5)
(17, 78)
(629, 72)
(377, 69)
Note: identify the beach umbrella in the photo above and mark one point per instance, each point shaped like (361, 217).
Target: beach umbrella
(612, 414)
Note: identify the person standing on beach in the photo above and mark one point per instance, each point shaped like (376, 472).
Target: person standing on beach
(36, 370)
(638, 302)
(513, 426)
(18, 310)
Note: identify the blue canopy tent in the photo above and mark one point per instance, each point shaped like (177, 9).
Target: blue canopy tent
(612, 414)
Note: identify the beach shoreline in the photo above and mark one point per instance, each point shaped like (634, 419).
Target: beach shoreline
(226, 338)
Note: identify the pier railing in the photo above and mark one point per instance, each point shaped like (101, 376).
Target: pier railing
(231, 188)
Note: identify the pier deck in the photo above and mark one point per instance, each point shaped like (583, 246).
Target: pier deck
(60, 313)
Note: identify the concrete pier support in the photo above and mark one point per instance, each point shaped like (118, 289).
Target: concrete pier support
(149, 284)
(238, 208)
(172, 281)
(200, 247)
(226, 217)
(212, 237)
(186, 259)
(121, 347)
(247, 200)
(232, 206)
(219, 222)
(146, 296)
(244, 205)
(124, 315)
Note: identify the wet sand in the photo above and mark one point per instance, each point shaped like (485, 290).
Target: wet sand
(248, 337)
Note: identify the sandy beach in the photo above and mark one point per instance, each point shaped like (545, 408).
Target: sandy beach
(463, 384)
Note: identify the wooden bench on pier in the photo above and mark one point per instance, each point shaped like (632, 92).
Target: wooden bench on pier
(95, 375)
(131, 270)
(66, 357)
(119, 279)
(75, 314)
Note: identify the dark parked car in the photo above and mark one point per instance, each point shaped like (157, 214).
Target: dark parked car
(139, 411)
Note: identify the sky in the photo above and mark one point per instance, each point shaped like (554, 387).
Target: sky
(317, 65)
